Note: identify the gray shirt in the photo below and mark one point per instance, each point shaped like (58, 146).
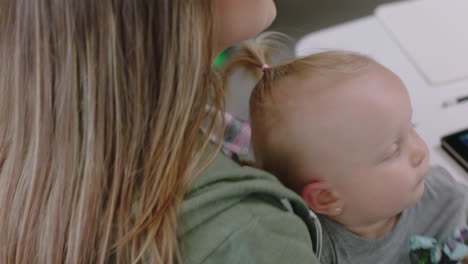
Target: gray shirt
(442, 209)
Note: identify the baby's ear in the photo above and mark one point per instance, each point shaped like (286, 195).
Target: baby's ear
(322, 198)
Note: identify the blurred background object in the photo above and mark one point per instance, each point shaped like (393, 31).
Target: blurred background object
(299, 17)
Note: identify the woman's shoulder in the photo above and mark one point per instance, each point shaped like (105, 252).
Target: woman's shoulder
(235, 214)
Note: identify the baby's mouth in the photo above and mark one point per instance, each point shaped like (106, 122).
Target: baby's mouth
(424, 171)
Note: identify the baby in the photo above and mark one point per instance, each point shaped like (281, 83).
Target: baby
(336, 128)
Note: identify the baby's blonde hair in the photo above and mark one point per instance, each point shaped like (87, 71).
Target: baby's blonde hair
(267, 113)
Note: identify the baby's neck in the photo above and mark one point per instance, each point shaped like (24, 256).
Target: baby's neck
(375, 230)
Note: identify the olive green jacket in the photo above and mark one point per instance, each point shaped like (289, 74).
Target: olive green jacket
(235, 214)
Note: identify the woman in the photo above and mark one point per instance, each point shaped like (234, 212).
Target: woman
(100, 108)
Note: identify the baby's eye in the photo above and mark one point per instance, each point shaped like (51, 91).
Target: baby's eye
(393, 148)
(393, 151)
(397, 150)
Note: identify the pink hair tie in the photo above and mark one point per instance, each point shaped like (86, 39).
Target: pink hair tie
(264, 67)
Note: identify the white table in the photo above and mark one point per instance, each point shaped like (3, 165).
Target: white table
(368, 36)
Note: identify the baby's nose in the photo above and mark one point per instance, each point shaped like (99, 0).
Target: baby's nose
(419, 151)
(418, 158)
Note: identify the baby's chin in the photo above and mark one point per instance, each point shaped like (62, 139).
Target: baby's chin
(419, 188)
(418, 192)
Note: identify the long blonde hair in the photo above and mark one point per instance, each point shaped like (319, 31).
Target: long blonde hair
(267, 114)
(100, 107)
